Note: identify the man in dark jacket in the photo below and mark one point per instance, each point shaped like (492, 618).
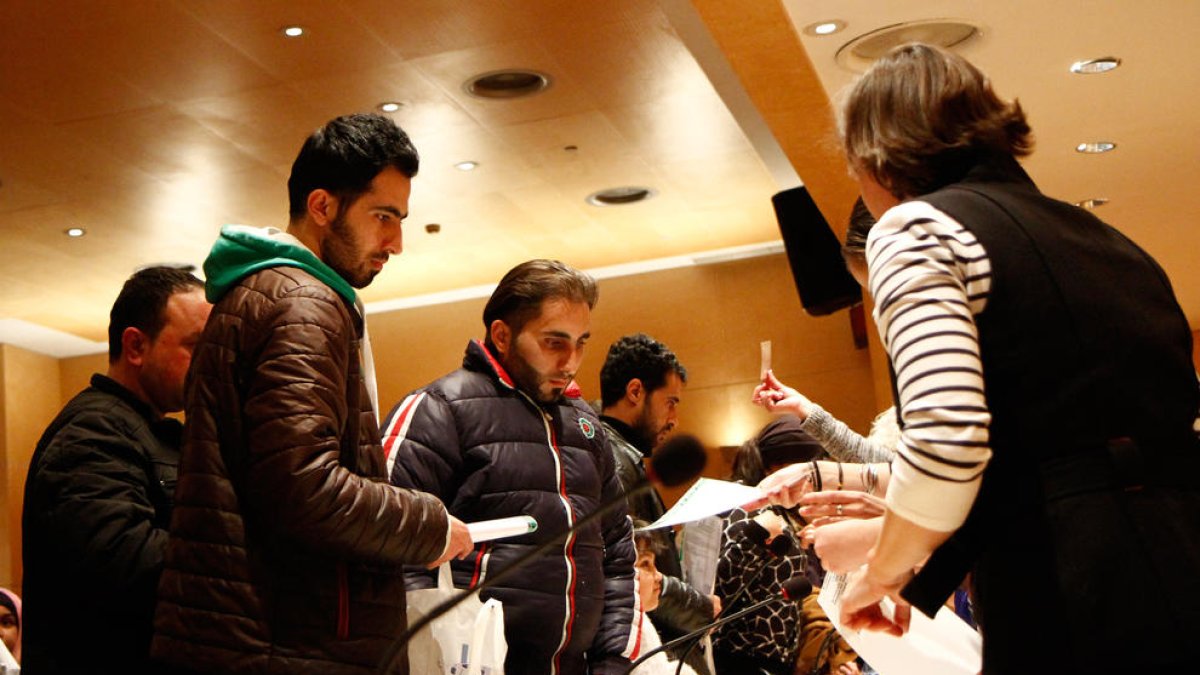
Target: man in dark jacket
(641, 384)
(287, 541)
(508, 435)
(98, 493)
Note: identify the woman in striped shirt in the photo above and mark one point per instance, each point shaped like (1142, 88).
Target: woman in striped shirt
(1042, 369)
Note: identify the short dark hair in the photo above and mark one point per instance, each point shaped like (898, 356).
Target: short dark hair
(142, 302)
(345, 155)
(519, 295)
(921, 116)
(637, 356)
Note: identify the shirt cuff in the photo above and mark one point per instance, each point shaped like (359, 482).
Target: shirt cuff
(931, 503)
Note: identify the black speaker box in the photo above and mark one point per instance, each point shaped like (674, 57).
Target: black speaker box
(814, 254)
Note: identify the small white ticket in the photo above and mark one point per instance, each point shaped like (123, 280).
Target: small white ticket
(764, 349)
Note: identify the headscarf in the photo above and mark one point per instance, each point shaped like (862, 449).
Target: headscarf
(13, 603)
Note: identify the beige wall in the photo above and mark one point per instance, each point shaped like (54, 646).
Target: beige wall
(30, 400)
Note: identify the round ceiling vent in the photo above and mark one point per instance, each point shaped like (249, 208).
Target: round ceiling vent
(859, 53)
(619, 196)
(505, 84)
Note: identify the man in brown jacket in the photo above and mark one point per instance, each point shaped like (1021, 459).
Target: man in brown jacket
(287, 541)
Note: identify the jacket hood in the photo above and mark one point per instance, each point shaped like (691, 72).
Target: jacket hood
(242, 250)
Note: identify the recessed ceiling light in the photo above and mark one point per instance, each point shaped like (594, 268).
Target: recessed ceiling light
(1093, 66)
(293, 31)
(507, 84)
(390, 106)
(859, 53)
(1096, 147)
(74, 231)
(822, 28)
(466, 166)
(1093, 202)
(619, 196)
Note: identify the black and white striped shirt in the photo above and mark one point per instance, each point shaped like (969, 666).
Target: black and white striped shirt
(930, 277)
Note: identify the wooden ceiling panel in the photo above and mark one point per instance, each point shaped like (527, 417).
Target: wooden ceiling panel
(335, 41)
(152, 124)
(451, 70)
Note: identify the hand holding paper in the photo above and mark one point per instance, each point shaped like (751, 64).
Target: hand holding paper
(784, 487)
(707, 497)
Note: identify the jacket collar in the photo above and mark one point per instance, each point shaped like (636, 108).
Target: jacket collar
(481, 359)
(110, 386)
(631, 436)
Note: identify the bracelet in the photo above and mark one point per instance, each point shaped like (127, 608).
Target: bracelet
(816, 476)
(841, 481)
(872, 482)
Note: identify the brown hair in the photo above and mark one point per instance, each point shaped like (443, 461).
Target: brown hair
(922, 116)
(519, 296)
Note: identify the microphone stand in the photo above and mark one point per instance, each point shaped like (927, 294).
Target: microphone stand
(701, 631)
(398, 646)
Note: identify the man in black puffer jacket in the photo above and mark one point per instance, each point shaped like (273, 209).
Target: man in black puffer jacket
(507, 435)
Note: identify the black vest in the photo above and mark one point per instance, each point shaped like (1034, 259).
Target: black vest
(1084, 348)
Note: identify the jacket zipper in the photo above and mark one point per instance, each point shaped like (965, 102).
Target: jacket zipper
(343, 617)
(568, 545)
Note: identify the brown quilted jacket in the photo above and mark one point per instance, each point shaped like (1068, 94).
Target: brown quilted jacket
(286, 540)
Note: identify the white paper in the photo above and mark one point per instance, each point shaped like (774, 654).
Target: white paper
(707, 497)
(487, 530)
(945, 644)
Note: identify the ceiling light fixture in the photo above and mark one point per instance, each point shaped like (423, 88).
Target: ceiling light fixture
(466, 166)
(1093, 202)
(1093, 66)
(505, 84)
(619, 196)
(1095, 147)
(292, 31)
(74, 231)
(859, 53)
(390, 106)
(823, 28)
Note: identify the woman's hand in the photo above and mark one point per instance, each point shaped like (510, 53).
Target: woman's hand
(776, 397)
(771, 522)
(785, 487)
(820, 508)
(843, 547)
(861, 609)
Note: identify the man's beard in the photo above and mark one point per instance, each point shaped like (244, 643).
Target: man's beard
(527, 379)
(340, 249)
(646, 432)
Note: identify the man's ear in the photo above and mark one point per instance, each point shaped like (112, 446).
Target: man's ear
(134, 345)
(635, 391)
(322, 206)
(500, 334)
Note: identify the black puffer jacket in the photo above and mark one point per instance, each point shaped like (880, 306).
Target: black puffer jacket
(286, 541)
(488, 451)
(97, 506)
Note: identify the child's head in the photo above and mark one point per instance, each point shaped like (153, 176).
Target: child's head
(649, 578)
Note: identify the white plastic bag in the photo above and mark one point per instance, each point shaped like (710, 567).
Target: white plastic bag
(467, 640)
(8, 664)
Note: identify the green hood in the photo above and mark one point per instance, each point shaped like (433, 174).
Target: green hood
(242, 250)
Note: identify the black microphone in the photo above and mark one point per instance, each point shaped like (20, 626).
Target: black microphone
(793, 590)
(677, 461)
